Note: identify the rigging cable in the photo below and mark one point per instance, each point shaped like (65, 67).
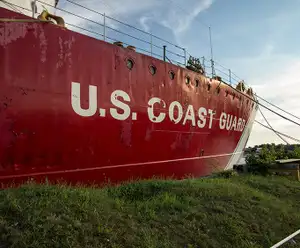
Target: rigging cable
(285, 135)
(10, 5)
(272, 127)
(278, 107)
(271, 110)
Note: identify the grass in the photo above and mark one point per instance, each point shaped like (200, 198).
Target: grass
(241, 211)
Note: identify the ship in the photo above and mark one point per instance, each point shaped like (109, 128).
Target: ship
(77, 109)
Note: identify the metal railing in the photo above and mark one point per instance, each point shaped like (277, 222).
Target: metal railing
(144, 42)
(289, 238)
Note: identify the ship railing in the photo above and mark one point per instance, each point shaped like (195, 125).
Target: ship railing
(112, 30)
(289, 238)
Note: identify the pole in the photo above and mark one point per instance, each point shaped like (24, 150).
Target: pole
(211, 53)
(104, 32)
(184, 56)
(203, 64)
(164, 53)
(151, 43)
(230, 76)
(33, 5)
(286, 239)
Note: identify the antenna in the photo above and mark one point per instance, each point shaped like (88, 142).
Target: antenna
(211, 53)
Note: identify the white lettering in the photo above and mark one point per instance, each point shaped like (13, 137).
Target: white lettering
(171, 112)
(234, 124)
(202, 116)
(115, 101)
(222, 122)
(228, 122)
(239, 124)
(152, 117)
(190, 115)
(76, 104)
(243, 125)
(157, 110)
(211, 113)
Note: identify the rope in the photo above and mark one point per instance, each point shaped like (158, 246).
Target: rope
(278, 107)
(285, 135)
(271, 110)
(12, 6)
(272, 127)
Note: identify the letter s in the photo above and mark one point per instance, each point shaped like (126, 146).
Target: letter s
(115, 101)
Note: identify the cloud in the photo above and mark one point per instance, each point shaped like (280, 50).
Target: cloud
(168, 14)
(179, 19)
(282, 88)
(143, 21)
(276, 78)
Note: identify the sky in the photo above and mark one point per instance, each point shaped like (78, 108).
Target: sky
(258, 40)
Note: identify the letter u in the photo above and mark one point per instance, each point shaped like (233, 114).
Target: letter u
(76, 104)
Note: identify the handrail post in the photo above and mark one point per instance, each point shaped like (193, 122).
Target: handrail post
(104, 32)
(184, 56)
(212, 68)
(33, 5)
(151, 43)
(164, 56)
(203, 64)
(229, 76)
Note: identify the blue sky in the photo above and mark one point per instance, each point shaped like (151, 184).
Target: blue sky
(258, 40)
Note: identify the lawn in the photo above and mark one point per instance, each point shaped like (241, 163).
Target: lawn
(241, 211)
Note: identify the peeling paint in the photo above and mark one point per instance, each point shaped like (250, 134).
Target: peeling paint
(10, 32)
(65, 52)
(43, 45)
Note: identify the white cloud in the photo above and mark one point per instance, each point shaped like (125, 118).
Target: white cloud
(169, 13)
(179, 19)
(281, 87)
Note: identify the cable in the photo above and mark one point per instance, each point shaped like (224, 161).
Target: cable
(278, 107)
(290, 137)
(271, 110)
(154, 36)
(272, 127)
(11, 5)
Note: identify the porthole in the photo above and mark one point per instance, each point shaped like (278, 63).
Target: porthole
(226, 93)
(218, 90)
(233, 96)
(129, 64)
(152, 69)
(187, 80)
(171, 75)
(197, 83)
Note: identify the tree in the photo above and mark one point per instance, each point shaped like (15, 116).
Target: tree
(259, 160)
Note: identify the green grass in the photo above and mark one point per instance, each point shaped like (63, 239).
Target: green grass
(242, 211)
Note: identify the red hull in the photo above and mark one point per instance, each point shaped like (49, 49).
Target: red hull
(43, 134)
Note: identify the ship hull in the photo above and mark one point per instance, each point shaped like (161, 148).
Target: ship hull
(73, 109)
